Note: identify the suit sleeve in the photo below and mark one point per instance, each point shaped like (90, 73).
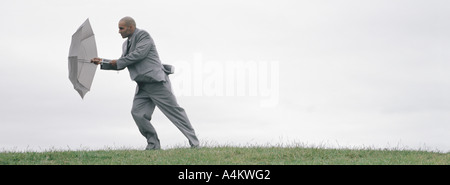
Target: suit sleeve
(143, 46)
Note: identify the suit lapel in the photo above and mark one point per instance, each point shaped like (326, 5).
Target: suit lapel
(133, 39)
(132, 43)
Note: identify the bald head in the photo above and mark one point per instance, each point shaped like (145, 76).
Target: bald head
(129, 21)
(127, 25)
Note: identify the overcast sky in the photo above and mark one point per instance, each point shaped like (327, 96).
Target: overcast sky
(347, 73)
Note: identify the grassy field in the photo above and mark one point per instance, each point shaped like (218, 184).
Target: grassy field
(228, 156)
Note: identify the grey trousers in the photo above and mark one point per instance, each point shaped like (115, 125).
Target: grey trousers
(149, 95)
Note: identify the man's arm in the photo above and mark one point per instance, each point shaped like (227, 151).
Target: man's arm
(143, 45)
(98, 61)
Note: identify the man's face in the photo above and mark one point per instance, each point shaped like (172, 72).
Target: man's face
(125, 30)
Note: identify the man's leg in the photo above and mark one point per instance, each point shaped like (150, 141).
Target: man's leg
(142, 111)
(162, 96)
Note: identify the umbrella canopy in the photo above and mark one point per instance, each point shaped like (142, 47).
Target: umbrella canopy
(82, 50)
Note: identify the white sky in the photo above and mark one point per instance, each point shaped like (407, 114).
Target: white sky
(352, 73)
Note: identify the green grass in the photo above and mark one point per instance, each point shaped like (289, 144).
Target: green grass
(228, 156)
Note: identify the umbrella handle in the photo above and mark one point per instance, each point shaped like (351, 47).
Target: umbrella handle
(84, 60)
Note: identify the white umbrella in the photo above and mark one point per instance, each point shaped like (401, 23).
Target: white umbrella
(82, 50)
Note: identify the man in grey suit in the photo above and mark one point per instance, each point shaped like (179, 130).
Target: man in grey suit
(153, 84)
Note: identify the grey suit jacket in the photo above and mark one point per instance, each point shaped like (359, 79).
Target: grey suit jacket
(142, 60)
